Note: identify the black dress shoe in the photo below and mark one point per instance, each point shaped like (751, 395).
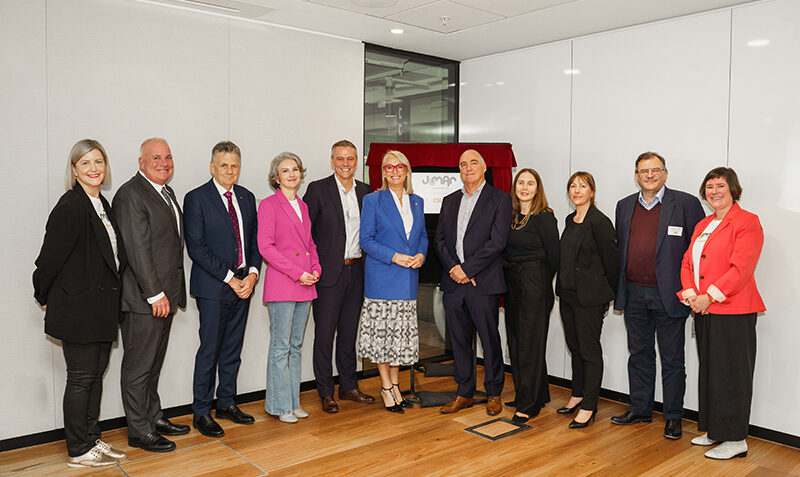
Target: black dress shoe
(519, 420)
(673, 429)
(580, 425)
(568, 410)
(207, 426)
(166, 428)
(152, 442)
(629, 418)
(233, 413)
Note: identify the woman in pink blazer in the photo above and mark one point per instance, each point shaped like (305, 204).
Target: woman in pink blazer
(284, 240)
(718, 283)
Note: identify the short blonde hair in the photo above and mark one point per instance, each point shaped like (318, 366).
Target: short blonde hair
(80, 149)
(273, 167)
(403, 159)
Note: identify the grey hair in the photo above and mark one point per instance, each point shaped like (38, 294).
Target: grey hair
(343, 143)
(148, 141)
(402, 158)
(223, 148)
(80, 149)
(273, 167)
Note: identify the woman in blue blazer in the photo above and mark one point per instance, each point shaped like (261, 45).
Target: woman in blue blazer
(393, 236)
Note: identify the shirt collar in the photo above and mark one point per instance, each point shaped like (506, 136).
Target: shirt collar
(342, 189)
(477, 191)
(658, 199)
(157, 187)
(220, 189)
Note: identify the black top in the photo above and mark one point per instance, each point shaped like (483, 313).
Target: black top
(570, 243)
(537, 240)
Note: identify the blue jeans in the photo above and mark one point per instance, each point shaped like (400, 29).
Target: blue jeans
(287, 325)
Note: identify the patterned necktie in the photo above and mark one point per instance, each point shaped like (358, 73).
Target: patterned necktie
(235, 220)
(169, 201)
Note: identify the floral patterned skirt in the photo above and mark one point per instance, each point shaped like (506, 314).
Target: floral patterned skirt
(388, 333)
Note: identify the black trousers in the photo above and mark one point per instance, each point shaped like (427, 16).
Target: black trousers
(726, 345)
(582, 327)
(222, 324)
(144, 340)
(86, 364)
(336, 314)
(645, 321)
(528, 303)
(466, 311)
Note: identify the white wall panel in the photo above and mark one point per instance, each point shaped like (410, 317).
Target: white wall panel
(26, 353)
(765, 152)
(524, 98)
(660, 87)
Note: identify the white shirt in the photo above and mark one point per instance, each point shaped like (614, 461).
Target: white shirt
(697, 249)
(659, 198)
(112, 236)
(404, 208)
(296, 206)
(235, 201)
(158, 188)
(464, 213)
(352, 219)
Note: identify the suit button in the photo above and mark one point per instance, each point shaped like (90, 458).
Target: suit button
(297, 254)
(703, 256)
(115, 288)
(307, 253)
(702, 277)
(101, 288)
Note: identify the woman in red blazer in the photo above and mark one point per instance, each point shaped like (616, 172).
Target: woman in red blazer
(718, 283)
(284, 240)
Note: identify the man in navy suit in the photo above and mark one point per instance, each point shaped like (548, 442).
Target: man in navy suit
(471, 235)
(654, 227)
(334, 207)
(220, 227)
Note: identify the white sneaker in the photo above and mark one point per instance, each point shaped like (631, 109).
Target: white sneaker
(703, 441)
(728, 450)
(111, 451)
(94, 458)
(288, 418)
(300, 413)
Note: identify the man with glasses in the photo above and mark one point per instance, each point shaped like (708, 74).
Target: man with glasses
(654, 227)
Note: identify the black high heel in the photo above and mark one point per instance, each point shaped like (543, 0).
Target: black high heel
(568, 410)
(518, 419)
(404, 403)
(396, 408)
(580, 425)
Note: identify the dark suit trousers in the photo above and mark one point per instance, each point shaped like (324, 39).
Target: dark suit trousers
(144, 341)
(646, 320)
(582, 327)
(465, 310)
(86, 364)
(726, 346)
(222, 324)
(336, 313)
(528, 303)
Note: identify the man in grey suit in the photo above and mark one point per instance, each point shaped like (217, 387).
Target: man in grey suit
(153, 288)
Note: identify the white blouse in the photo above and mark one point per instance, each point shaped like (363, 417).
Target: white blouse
(112, 236)
(404, 208)
(697, 250)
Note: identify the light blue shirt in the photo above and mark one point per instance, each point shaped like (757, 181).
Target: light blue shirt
(659, 198)
(464, 213)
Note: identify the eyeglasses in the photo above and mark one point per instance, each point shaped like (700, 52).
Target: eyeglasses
(396, 167)
(655, 170)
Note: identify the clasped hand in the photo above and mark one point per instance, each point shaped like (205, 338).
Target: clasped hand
(458, 276)
(699, 303)
(408, 261)
(309, 279)
(244, 287)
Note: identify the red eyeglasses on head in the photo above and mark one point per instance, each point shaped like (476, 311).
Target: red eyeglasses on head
(396, 167)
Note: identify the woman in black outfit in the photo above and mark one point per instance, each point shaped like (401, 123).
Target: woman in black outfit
(587, 279)
(529, 262)
(77, 282)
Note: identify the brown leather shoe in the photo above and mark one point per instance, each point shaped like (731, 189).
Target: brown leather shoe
(357, 396)
(494, 405)
(456, 405)
(329, 405)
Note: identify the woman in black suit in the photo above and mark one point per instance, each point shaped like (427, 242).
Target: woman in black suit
(77, 282)
(587, 280)
(529, 262)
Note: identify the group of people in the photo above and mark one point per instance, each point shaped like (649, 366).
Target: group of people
(355, 256)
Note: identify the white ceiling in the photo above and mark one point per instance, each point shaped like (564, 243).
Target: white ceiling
(471, 28)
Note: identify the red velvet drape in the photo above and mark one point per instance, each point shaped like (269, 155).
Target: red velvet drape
(498, 156)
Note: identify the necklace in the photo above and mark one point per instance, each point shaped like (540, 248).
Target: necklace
(517, 223)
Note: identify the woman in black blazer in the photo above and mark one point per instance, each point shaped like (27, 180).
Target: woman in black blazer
(77, 282)
(587, 279)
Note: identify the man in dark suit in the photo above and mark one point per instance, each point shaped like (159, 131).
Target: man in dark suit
(470, 237)
(334, 206)
(221, 239)
(153, 288)
(654, 227)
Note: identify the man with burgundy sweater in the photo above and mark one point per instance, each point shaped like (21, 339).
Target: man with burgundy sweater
(654, 227)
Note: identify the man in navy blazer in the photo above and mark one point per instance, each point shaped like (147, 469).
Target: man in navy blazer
(654, 228)
(220, 228)
(334, 207)
(471, 235)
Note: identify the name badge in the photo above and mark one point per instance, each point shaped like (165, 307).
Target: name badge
(675, 230)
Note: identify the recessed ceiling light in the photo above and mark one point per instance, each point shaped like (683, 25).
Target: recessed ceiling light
(500, 83)
(375, 3)
(572, 71)
(397, 31)
(758, 42)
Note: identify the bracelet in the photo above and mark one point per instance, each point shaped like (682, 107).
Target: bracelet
(711, 298)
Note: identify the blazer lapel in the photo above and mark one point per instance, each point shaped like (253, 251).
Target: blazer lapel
(725, 223)
(298, 225)
(627, 217)
(99, 229)
(482, 200)
(419, 218)
(159, 198)
(335, 198)
(390, 209)
(664, 217)
(221, 207)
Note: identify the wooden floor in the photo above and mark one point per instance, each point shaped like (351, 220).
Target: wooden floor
(367, 440)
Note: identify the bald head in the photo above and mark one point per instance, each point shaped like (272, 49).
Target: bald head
(472, 168)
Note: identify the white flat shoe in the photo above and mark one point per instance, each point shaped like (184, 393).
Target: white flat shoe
(288, 418)
(728, 450)
(703, 441)
(112, 452)
(300, 413)
(94, 458)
